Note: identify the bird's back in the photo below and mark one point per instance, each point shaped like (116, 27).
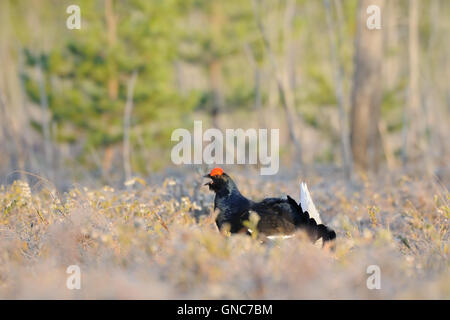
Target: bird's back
(282, 216)
(277, 216)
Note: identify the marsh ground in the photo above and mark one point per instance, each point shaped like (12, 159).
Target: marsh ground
(157, 239)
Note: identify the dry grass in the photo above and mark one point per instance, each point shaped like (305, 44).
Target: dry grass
(147, 243)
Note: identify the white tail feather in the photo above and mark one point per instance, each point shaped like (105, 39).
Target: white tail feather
(308, 204)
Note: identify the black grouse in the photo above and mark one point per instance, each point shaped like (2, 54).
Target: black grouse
(277, 216)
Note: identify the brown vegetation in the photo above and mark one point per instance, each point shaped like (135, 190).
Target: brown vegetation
(155, 242)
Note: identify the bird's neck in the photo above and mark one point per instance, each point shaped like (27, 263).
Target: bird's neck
(230, 201)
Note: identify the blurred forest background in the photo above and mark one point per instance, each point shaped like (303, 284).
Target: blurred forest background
(100, 103)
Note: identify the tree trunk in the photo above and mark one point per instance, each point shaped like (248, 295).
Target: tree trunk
(285, 103)
(339, 91)
(215, 74)
(46, 122)
(113, 83)
(366, 91)
(111, 26)
(126, 127)
(257, 106)
(412, 139)
(215, 66)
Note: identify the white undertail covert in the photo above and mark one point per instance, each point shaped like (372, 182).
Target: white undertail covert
(308, 204)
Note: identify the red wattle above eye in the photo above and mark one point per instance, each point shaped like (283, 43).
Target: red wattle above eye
(216, 172)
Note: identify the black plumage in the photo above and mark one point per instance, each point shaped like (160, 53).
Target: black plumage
(277, 216)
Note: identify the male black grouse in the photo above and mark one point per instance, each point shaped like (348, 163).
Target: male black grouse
(277, 216)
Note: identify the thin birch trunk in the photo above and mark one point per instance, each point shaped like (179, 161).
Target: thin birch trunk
(46, 121)
(410, 129)
(281, 89)
(366, 91)
(126, 127)
(257, 84)
(339, 91)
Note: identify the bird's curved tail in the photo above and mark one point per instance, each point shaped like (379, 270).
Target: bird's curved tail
(307, 203)
(317, 230)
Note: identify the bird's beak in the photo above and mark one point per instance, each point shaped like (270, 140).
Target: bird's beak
(207, 176)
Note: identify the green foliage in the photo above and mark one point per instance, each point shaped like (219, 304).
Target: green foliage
(200, 55)
(77, 73)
